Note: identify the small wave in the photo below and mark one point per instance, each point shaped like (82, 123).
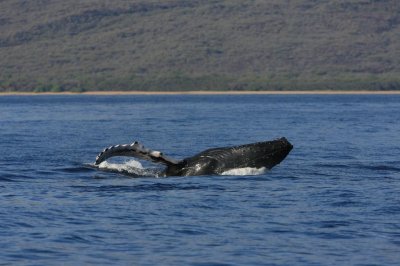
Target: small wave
(245, 171)
(78, 169)
(131, 168)
(381, 167)
(5, 179)
(374, 167)
(140, 188)
(13, 177)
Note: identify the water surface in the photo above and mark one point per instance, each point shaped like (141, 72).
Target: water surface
(333, 201)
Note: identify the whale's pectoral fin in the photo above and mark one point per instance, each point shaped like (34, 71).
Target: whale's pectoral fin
(135, 150)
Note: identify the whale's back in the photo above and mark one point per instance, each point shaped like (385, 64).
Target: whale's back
(265, 154)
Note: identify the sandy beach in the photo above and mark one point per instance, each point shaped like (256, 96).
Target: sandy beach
(315, 92)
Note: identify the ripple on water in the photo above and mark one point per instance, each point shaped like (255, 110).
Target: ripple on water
(333, 201)
(138, 188)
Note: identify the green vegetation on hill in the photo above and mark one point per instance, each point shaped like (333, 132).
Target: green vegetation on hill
(57, 45)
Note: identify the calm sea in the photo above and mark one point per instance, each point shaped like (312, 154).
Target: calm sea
(335, 200)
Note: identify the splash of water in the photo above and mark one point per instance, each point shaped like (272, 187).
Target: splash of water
(135, 168)
(131, 167)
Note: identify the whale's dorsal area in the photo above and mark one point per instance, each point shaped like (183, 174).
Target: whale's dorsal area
(213, 161)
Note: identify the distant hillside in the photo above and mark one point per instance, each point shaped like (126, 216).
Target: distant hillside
(56, 45)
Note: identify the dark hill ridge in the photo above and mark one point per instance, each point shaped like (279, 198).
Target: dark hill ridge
(199, 44)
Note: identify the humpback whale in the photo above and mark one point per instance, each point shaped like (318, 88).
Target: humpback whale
(213, 161)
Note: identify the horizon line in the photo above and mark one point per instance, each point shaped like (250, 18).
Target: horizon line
(202, 92)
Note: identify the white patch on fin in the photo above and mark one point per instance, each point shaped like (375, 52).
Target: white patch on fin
(155, 153)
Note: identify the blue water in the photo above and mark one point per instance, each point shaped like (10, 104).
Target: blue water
(335, 200)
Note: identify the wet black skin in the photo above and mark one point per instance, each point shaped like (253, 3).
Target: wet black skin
(216, 161)
(210, 162)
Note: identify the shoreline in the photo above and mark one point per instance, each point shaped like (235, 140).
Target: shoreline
(306, 92)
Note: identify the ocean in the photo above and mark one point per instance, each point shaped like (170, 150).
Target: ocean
(335, 200)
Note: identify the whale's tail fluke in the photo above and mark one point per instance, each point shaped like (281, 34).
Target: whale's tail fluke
(135, 150)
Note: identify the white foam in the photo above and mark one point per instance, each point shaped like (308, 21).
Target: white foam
(120, 167)
(132, 167)
(245, 171)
